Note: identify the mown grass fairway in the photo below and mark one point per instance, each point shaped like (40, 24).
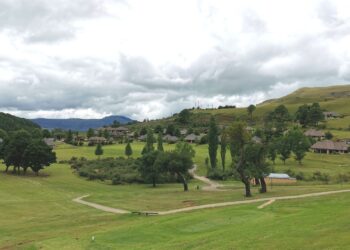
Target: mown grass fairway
(38, 212)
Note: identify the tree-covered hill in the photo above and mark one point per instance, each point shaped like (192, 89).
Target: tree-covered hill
(12, 123)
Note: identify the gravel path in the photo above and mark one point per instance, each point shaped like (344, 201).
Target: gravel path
(99, 207)
(212, 186)
(268, 200)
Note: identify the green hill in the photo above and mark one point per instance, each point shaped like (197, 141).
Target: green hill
(333, 98)
(11, 123)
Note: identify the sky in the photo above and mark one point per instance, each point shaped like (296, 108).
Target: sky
(151, 59)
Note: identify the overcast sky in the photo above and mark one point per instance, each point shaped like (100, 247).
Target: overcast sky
(149, 59)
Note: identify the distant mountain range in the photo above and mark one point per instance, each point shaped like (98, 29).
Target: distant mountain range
(80, 124)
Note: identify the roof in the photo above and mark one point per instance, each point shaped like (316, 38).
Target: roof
(183, 131)
(170, 138)
(142, 137)
(122, 129)
(331, 145)
(49, 141)
(314, 133)
(191, 137)
(256, 139)
(97, 138)
(331, 113)
(279, 176)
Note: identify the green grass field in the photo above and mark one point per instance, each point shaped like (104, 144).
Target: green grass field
(38, 212)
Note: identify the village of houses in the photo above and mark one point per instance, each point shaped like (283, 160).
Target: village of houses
(123, 133)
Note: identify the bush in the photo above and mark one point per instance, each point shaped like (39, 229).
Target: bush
(318, 176)
(218, 174)
(203, 140)
(119, 170)
(341, 178)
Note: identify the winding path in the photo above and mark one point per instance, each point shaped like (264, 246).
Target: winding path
(212, 186)
(268, 201)
(100, 207)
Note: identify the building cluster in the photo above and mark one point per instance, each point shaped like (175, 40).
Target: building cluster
(327, 146)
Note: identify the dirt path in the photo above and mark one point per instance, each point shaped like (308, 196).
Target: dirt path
(215, 205)
(266, 204)
(212, 186)
(99, 207)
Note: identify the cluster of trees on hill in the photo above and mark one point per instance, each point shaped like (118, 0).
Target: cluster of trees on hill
(23, 150)
(309, 115)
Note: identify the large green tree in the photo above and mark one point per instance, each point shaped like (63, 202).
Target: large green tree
(284, 148)
(309, 115)
(316, 114)
(300, 144)
(14, 150)
(184, 117)
(149, 169)
(176, 163)
(213, 142)
(3, 142)
(280, 117)
(185, 148)
(251, 108)
(239, 138)
(38, 155)
(255, 160)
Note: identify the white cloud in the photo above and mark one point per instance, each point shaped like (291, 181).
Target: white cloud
(149, 59)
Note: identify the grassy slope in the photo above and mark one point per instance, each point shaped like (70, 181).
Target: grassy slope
(334, 98)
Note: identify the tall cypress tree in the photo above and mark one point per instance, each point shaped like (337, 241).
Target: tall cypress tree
(128, 150)
(160, 142)
(223, 148)
(149, 142)
(98, 150)
(213, 141)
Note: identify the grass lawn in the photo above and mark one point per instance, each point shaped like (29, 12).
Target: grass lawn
(38, 212)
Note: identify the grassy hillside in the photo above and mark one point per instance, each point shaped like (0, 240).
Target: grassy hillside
(11, 123)
(334, 98)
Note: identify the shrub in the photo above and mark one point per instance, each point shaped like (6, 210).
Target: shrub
(218, 174)
(318, 176)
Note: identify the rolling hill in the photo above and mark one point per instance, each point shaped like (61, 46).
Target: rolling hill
(11, 123)
(80, 124)
(333, 98)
